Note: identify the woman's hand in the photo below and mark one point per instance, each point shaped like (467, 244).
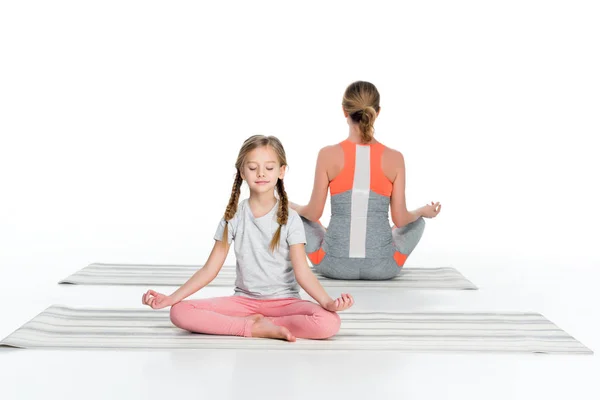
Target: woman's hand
(156, 300)
(431, 210)
(340, 304)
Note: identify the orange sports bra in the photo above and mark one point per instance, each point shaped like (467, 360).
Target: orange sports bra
(365, 158)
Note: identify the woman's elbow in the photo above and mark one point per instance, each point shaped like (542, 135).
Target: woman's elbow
(315, 217)
(311, 215)
(399, 220)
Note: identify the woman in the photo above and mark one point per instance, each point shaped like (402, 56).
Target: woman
(366, 179)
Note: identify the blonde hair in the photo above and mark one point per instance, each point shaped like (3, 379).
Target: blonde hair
(250, 144)
(361, 102)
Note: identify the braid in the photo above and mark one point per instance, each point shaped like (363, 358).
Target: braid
(233, 203)
(282, 214)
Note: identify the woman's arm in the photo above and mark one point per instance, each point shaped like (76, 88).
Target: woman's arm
(314, 209)
(400, 214)
(309, 282)
(204, 275)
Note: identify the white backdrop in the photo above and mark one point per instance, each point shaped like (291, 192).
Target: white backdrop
(120, 121)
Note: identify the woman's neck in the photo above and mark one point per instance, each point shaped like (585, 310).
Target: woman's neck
(355, 135)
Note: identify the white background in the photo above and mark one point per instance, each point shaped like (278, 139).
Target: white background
(120, 122)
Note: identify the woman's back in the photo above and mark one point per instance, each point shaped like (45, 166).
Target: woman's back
(360, 201)
(365, 180)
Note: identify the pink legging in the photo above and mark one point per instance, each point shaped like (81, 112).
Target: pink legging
(228, 316)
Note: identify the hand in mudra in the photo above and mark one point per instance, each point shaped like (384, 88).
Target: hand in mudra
(431, 210)
(156, 300)
(343, 302)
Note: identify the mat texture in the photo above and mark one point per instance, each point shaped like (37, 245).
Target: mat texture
(110, 328)
(175, 275)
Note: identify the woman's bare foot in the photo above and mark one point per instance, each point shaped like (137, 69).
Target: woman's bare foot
(264, 328)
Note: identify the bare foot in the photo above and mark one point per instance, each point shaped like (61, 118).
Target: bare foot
(255, 317)
(266, 329)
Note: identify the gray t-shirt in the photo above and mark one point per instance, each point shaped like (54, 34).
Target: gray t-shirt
(261, 274)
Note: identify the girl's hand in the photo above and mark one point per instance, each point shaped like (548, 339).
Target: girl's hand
(156, 300)
(340, 304)
(431, 210)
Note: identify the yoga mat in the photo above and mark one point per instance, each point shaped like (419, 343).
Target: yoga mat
(113, 328)
(175, 275)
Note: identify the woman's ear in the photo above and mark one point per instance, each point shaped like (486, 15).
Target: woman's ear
(345, 113)
(378, 111)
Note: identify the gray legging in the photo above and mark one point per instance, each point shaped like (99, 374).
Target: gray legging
(404, 240)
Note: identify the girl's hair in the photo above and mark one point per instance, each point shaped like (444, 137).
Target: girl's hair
(250, 144)
(361, 102)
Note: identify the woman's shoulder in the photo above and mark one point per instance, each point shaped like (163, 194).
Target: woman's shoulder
(391, 153)
(392, 162)
(331, 148)
(331, 152)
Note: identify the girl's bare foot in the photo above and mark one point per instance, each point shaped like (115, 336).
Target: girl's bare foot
(255, 317)
(266, 329)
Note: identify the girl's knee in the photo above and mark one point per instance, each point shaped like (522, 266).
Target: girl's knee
(329, 324)
(177, 313)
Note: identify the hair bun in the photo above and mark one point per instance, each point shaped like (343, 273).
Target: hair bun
(361, 102)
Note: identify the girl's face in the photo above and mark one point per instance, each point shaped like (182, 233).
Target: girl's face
(261, 170)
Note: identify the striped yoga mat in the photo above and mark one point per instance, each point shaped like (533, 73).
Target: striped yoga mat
(110, 328)
(175, 275)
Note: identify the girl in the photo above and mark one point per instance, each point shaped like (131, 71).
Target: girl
(365, 180)
(270, 263)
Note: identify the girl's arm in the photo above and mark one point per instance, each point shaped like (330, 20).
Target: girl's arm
(314, 209)
(309, 282)
(201, 278)
(204, 275)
